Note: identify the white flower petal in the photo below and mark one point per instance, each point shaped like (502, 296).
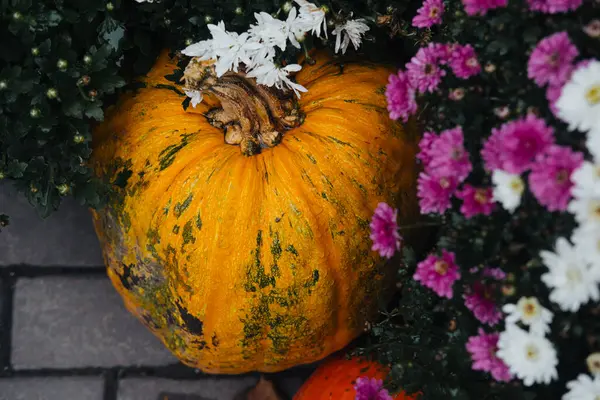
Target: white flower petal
(579, 102)
(570, 278)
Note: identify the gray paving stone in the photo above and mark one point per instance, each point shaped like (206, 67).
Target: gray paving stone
(206, 388)
(61, 322)
(72, 388)
(66, 238)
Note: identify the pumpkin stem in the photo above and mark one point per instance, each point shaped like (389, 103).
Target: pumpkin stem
(251, 115)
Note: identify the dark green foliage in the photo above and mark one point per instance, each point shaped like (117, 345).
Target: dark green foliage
(423, 337)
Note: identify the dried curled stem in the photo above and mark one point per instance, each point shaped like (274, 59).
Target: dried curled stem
(251, 115)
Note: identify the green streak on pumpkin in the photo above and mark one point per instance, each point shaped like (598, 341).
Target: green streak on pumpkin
(167, 155)
(181, 207)
(380, 90)
(169, 87)
(264, 321)
(292, 249)
(338, 141)
(187, 234)
(362, 223)
(198, 221)
(176, 229)
(125, 221)
(311, 158)
(167, 207)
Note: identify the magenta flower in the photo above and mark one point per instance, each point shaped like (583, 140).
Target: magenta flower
(517, 143)
(425, 146)
(552, 95)
(554, 6)
(492, 152)
(551, 62)
(481, 7)
(448, 155)
(400, 96)
(384, 231)
(429, 14)
(370, 389)
(423, 71)
(434, 193)
(463, 61)
(483, 349)
(438, 273)
(495, 273)
(550, 178)
(481, 304)
(476, 201)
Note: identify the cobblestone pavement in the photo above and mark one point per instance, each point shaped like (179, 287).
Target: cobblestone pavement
(64, 332)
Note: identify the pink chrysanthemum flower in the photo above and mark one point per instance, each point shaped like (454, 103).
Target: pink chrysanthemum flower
(400, 96)
(481, 7)
(384, 230)
(520, 141)
(492, 153)
(438, 273)
(481, 304)
(425, 146)
(423, 70)
(550, 177)
(434, 193)
(464, 61)
(448, 155)
(429, 14)
(483, 348)
(552, 95)
(496, 273)
(370, 389)
(554, 6)
(551, 62)
(476, 201)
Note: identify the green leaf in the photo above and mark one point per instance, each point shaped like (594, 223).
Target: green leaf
(94, 111)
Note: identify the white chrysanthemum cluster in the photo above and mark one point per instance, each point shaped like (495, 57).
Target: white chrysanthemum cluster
(573, 275)
(256, 48)
(529, 355)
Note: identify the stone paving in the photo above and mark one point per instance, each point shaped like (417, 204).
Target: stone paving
(64, 332)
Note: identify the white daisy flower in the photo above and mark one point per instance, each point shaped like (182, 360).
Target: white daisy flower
(587, 241)
(579, 102)
(530, 357)
(273, 32)
(592, 143)
(586, 180)
(269, 74)
(351, 31)
(231, 48)
(311, 18)
(593, 363)
(570, 278)
(195, 96)
(508, 189)
(203, 49)
(530, 312)
(586, 210)
(583, 388)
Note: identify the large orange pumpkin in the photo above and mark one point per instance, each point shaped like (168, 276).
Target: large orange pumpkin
(257, 256)
(335, 379)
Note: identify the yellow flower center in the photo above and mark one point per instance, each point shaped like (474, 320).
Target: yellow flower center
(592, 95)
(481, 196)
(533, 352)
(562, 176)
(574, 275)
(595, 209)
(516, 184)
(434, 12)
(441, 267)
